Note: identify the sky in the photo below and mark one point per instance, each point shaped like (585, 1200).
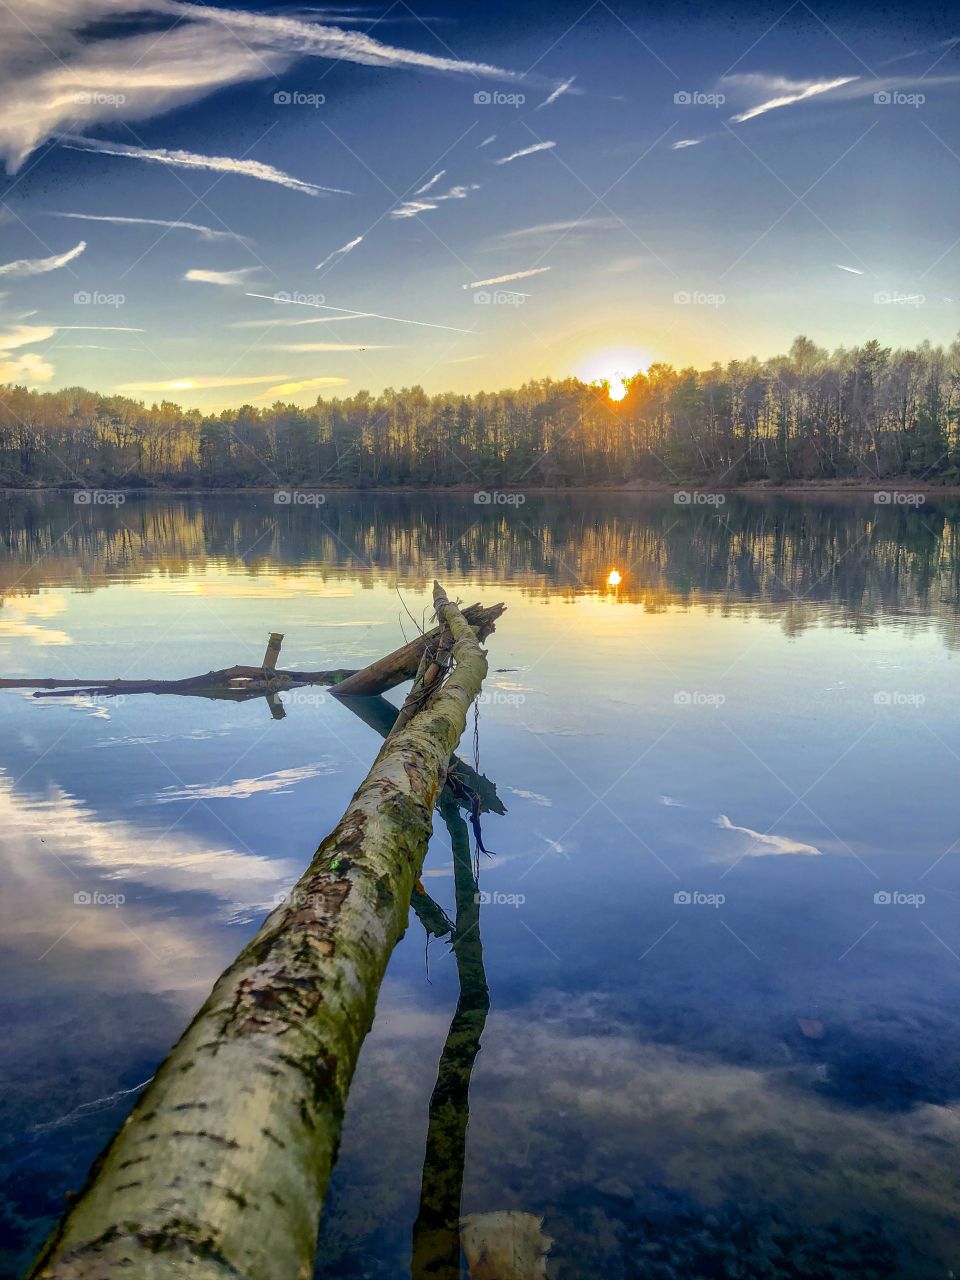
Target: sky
(219, 205)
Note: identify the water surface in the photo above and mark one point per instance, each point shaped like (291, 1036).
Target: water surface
(719, 931)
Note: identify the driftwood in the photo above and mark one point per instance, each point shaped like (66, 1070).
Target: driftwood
(220, 1170)
(240, 683)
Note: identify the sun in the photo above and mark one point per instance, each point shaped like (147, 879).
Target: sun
(615, 368)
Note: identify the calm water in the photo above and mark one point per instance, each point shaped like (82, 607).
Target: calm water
(711, 1049)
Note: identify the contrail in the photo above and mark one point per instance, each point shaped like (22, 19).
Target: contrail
(371, 315)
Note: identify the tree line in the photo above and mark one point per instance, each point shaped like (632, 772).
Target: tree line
(864, 412)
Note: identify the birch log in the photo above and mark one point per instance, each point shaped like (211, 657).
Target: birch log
(219, 1172)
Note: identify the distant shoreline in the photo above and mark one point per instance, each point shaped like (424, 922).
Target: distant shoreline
(653, 488)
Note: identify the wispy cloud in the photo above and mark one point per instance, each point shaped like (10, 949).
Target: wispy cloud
(431, 182)
(231, 279)
(514, 275)
(768, 843)
(283, 322)
(558, 91)
(62, 64)
(486, 142)
(307, 384)
(787, 92)
(339, 253)
(558, 228)
(854, 271)
(39, 266)
(201, 383)
(686, 142)
(206, 233)
(410, 208)
(332, 346)
(525, 151)
(190, 160)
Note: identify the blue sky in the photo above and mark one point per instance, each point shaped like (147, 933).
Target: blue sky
(417, 154)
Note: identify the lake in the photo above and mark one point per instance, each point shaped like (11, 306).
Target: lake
(718, 926)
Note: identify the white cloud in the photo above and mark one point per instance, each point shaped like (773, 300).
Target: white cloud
(560, 89)
(432, 182)
(513, 275)
(58, 75)
(199, 275)
(191, 160)
(486, 142)
(786, 92)
(306, 384)
(38, 266)
(525, 151)
(854, 271)
(201, 383)
(686, 142)
(30, 368)
(769, 844)
(206, 233)
(339, 253)
(352, 314)
(410, 208)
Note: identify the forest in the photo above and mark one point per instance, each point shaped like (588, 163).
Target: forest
(866, 412)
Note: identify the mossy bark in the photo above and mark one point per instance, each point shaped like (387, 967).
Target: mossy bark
(221, 1168)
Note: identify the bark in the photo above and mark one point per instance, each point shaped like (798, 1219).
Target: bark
(220, 1170)
(386, 673)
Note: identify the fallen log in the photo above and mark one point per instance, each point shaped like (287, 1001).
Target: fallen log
(220, 1170)
(239, 683)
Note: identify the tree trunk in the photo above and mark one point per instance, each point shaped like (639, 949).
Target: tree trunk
(219, 1172)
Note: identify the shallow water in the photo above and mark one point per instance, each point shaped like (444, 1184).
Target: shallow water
(720, 936)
